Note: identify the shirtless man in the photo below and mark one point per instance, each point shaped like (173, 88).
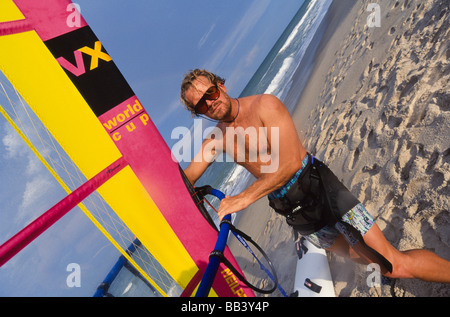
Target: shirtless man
(205, 93)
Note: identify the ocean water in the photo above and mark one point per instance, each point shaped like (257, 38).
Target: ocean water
(275, 75)
(283, 73)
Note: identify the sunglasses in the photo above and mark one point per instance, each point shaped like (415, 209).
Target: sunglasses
(213, 93)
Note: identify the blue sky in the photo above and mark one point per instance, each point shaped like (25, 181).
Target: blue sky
(154, 43)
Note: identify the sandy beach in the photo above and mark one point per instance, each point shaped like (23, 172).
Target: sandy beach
(376, 109)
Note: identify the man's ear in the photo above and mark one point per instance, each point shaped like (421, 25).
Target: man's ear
(222, 86)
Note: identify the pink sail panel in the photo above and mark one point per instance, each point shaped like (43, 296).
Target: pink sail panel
(49, 18)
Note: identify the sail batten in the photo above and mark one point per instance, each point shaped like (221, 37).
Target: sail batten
(14, 27)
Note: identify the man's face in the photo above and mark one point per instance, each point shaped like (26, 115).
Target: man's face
(218, 109)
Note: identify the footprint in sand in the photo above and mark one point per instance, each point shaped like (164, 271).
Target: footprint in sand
(407, 86)
(372, 170)
(353, 160)
(442, 99)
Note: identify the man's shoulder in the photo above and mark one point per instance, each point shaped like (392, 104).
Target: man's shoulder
(262, 98)
(262, 101)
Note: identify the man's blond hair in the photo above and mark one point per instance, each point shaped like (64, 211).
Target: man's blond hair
(188, 83)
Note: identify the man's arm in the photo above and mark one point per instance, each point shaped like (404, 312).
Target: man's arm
(288, 153)
(204, 158)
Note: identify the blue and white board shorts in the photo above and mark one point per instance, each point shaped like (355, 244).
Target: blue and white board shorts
(358, 217)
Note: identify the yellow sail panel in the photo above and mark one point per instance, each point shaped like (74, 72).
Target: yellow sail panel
(26, 61)
(9, 12)
(57, 102)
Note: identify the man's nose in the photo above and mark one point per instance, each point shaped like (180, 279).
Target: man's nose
(209, 103)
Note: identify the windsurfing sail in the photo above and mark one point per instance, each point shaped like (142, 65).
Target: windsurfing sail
(66, 76)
